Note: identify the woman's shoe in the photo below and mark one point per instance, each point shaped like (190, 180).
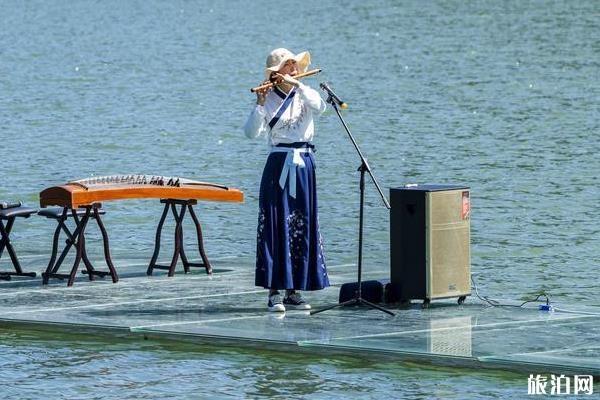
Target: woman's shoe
(275, 304)
(295, 301)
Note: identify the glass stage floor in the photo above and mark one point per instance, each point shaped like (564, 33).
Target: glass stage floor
(226, 309)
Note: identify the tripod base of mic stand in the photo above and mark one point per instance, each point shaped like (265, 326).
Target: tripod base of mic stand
(353, 302)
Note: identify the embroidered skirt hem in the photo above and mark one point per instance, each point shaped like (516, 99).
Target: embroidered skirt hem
(289, 251)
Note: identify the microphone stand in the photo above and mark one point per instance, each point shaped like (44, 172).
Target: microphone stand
(364, 167)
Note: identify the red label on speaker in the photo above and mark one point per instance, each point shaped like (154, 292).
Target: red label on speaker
(466, 205)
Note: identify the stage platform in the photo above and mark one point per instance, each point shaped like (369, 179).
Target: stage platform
(225, 309)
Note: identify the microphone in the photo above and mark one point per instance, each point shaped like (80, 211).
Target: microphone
(333, 96)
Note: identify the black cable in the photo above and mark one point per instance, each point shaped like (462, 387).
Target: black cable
(495, 303)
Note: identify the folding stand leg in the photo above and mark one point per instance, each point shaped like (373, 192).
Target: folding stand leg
(178, 236)
(69, 242)
(77, 239)
(179, 250)
(52, 269)
(5, 243)
(178, 242)
(49, 268)
(184, 259)
(153, 264)
(205, 262)
(4, 232)
(107, 258)
(89, 268)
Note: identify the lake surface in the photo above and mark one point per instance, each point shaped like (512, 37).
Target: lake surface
(501, 96)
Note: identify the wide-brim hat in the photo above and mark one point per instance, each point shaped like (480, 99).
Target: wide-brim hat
(278, 57)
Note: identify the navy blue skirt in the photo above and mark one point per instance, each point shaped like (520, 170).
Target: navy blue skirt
(289, 251)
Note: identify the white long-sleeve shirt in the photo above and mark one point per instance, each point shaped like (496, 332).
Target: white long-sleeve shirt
(296, 123)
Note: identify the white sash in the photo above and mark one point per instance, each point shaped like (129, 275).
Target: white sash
(292, 160)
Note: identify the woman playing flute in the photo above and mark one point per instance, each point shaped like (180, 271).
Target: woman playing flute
(289, 253)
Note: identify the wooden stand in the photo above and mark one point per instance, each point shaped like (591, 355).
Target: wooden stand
(179, 248)
(77, 238)
(10, 215)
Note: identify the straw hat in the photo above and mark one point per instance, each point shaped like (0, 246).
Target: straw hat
(278, 57)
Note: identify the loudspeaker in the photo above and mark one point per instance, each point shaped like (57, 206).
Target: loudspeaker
(430, 256)
(375, 291)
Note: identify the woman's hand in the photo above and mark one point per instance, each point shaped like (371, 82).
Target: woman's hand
(289, 79)
(261, 95)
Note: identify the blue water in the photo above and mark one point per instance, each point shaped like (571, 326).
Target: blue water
(501, 96)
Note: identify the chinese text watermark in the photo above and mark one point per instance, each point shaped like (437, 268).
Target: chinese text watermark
(560, 384)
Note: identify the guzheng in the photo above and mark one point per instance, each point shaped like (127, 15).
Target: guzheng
(81, 202)
(85, 192)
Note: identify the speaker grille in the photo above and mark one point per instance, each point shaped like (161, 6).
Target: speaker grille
(448, 236)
